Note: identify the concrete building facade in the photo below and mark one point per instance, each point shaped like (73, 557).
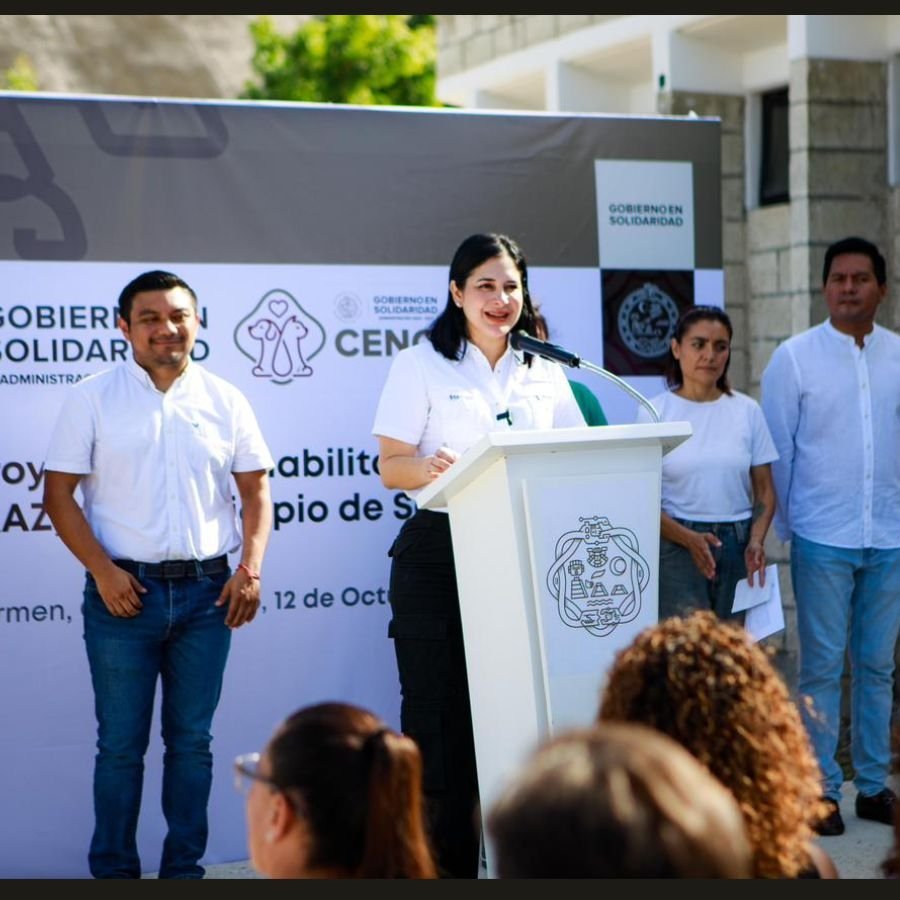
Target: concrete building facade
(840, 75)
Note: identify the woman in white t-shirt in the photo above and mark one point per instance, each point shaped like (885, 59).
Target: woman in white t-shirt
(441, 396)
(718, 497)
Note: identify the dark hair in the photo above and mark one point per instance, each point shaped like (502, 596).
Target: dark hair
(704, 682)
(156, 280)
(448, 331)
(673, 373)
(856, 245)
(617, 801)
(359, 786)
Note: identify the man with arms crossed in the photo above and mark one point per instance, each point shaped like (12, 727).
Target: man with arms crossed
(831, 396)
(154, 443)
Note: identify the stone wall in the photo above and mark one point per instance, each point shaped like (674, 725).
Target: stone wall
(158, 56)
(838, 140)
(890, 317)
(768, 253)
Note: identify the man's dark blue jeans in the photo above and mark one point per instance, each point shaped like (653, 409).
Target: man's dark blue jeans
(179, 637)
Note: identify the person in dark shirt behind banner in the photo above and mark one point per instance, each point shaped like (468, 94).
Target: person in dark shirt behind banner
(586, 399)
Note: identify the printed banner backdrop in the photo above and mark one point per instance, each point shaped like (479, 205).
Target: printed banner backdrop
(318, 240)
(648, 251)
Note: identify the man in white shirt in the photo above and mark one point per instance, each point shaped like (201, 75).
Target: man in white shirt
(831, 396)
(153, 444)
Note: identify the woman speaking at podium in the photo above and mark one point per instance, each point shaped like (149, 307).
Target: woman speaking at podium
(441, 396)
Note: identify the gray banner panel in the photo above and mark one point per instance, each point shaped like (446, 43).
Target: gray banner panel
(145, 180)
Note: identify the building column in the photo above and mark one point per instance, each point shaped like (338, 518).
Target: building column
(838, 130)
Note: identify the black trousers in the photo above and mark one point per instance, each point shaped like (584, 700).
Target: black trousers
(434, 710)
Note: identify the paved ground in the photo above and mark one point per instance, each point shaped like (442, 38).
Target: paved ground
(857, 853)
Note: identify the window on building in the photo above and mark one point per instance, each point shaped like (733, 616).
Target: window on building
(894, 121)
(774, 185)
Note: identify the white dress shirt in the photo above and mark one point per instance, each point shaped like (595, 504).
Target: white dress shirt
(157, 465)
(431, 401)
(834, 412)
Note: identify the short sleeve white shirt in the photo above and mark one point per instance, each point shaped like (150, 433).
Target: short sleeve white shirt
(707, 478)
(158, 465)
(430, 401)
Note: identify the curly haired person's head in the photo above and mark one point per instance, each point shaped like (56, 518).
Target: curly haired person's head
(702, 681)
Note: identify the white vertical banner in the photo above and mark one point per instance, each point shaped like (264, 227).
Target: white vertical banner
(645, 214)
(646, 245)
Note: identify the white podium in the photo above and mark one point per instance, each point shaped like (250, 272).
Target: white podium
(556, 547)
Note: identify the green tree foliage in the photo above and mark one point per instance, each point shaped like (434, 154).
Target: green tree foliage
(367, 60)
(20, 76)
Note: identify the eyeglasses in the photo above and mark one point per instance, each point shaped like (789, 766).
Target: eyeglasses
(246, 771)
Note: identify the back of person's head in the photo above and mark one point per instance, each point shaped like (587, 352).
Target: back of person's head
(448, 331)
(860, 246)
(690, 317)
(702, 681)
(357, 784)
(617, 801)
(155, 280)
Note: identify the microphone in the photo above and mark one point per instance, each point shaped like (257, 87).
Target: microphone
(521, 340)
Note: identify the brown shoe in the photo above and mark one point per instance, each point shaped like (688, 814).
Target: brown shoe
(832, 823)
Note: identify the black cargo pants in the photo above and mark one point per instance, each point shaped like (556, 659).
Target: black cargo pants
(435, 710)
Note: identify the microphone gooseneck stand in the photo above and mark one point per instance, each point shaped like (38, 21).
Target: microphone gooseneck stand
(553, 352)
(584, 364)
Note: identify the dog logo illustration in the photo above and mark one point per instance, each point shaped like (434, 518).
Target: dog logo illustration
(280, 337)
(598, 576)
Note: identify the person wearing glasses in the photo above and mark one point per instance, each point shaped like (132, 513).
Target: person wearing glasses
(157, 446)
(335, 794)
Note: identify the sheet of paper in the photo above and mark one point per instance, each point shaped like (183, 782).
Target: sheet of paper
(766, 617)
(745, 596)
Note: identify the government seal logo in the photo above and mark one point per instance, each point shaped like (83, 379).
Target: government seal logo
(647, 320)
(347, 306)
(598, 576)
